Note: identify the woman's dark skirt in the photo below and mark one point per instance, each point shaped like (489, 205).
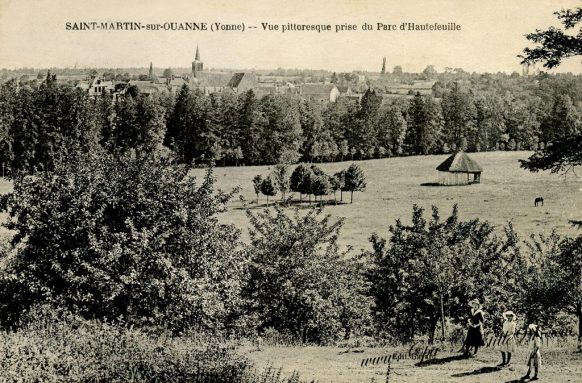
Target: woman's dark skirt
(474, 337)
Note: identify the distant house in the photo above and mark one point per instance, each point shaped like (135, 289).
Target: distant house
(459, 169)
(175, 83)
(210, 82)
(96, 86)
(320, 92)
(242, 82)
(266, 88)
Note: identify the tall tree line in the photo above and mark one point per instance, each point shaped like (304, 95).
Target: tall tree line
(478, 114)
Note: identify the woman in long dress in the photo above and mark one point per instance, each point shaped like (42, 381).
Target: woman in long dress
(507, 343)
(475, 332)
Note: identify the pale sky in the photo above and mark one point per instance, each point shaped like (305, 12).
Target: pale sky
(32, 34)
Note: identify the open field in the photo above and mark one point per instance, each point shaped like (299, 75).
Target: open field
(335, 365)
(506, 193)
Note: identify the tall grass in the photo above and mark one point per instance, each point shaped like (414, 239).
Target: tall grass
(92, 351)
(98, 352)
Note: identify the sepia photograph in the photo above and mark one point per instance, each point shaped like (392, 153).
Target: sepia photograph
(269, 191)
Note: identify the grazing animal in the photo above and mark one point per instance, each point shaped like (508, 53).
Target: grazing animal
(539, 200)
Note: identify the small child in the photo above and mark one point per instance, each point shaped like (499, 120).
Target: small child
(507, 343)
(534, 355)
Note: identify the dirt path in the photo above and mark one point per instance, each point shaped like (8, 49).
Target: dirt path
(334, 365)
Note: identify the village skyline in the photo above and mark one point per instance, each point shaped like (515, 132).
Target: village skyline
(491, 35)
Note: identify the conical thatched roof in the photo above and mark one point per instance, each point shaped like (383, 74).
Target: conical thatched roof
(460, 162)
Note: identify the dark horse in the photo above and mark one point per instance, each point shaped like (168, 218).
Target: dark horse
(538, 200)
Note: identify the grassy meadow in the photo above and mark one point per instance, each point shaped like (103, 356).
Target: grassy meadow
(506, 193)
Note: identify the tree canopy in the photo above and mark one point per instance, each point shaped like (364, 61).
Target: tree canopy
(554, 44)
(112, 237)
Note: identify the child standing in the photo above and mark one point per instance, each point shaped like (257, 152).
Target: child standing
(507, 343)
(534, 356)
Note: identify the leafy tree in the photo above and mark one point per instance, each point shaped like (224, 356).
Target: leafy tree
(311, 182)
(257, 181)
(269, 187)
(188, 129)
(47, 118)
(139, 124)
(340, 182)
(459, 114)
(296, 182)
(561, 156)
(248, 119)
(344, 150)
(238, 155)
(429, 72)
(321, 186)
(392, 128)
(103, 117)
(364, 130)
(521, 122)
(565, 119)
(424, 125)
(353, 151)
(299, 283)
(8, 105)
(431, 268)
(382, 152)
(354, 180)
(541, 299)
(310, 114)
(553, 44)
(152, 254)
(280, 126)
(281, 177)
(315, 151)
(337, 118)
(556, 280)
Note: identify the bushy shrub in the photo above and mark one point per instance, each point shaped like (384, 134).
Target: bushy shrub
(299, 282)
(74, 350)
(435, 266)
(110, 237)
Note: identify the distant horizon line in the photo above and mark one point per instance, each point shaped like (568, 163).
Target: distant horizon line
(146, 68)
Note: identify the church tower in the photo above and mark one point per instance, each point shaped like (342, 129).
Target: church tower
(197, 65)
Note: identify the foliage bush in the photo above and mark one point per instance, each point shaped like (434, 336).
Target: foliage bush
(435, 265)
(299, 282)
(75, 350)
(120, 237)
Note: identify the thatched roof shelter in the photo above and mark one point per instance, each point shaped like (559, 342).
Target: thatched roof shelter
(459, 169)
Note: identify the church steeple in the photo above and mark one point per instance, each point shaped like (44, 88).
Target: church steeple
(197, 65)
